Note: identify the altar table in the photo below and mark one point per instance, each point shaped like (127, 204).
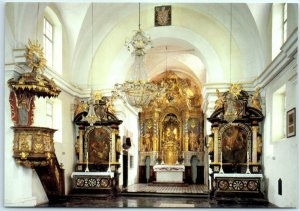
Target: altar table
(93, 180)
(169, 173)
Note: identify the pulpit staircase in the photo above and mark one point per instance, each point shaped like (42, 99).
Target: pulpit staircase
(52, 179)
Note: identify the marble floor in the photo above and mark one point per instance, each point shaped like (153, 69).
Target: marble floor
(151, 196)
(148, 202)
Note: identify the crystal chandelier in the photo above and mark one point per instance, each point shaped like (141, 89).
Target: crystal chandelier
(138, 91)
(91, 117)
(230, 110)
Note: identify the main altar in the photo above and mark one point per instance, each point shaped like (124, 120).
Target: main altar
(169, 173)
(171, 141)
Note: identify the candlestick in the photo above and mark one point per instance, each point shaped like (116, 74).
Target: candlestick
(248, 159)
(87, 162)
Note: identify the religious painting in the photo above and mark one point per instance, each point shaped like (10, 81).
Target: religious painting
(291, 122)
(98, 140)
(162, 16)
(234, 145)
(195, 135)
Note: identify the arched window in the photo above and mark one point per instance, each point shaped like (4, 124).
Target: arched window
(52, 40)
(279, 27)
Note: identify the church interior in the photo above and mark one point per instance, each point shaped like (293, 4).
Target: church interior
(190, 102)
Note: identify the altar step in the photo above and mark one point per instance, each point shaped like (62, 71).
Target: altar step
(166, 189)
(182, 195)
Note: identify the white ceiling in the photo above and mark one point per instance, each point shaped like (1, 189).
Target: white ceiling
(198, 40)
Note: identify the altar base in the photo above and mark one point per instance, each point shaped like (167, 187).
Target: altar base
(169, 173)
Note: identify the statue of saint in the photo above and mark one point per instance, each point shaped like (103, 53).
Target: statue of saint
(210, 144)
(193, 141)
(259, 144)
(255, 99)
(220, 101)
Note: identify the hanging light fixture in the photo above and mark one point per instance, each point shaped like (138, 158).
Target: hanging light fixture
(92, 117)
(230, 110)
(137, 90)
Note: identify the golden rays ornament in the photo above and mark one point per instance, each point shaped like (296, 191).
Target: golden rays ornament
(35, 56)
(235, 89)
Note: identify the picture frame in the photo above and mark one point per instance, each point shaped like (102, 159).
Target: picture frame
(291, 123)
(163, 15)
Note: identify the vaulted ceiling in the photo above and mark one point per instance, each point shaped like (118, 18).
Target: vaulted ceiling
(198, 41)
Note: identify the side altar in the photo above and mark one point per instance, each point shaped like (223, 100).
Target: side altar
(169, 173)
(235, 146)
(98, 147)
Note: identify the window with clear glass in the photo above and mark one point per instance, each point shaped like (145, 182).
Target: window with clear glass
(48, 42)
(284, 22)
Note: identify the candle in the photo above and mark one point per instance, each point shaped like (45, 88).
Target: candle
(248, 157)
(221, 158)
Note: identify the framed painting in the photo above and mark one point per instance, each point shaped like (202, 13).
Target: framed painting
(163, 16)
(291, 123)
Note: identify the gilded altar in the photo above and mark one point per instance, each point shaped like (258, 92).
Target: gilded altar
(235, 144)
(98, 147)
(171, 126)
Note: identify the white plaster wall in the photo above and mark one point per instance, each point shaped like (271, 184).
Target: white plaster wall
(129, 128)
(16, 177)
(280, 158)
(65, 151)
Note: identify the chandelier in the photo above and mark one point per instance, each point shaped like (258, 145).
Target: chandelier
(230, 108)
(138, 91)
(91, 117)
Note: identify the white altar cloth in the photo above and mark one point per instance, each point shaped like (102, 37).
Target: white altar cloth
(239, 175)
(169, 173)
(111, 174)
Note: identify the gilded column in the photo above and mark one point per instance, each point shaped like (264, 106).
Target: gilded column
(254, 143)
(80, 144)
(216, 144)
(113, 146)
(186, 132)
(155, 130)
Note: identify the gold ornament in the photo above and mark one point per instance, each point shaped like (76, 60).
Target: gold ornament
(34, 56)
(235, 89)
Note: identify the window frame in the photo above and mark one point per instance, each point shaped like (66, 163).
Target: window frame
(49, 39)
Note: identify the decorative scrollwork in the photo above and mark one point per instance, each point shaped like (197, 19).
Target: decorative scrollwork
(252, 185)
(223, 185)
(80, 182)
(92, 182)
(237, 185)
(104, 182)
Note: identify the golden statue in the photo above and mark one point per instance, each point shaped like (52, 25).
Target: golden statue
(147, 143)
(210, 144)
(186, 142)
(259, 144)
(220, 101)
(193, 141)
(170, 146)
(255, 99)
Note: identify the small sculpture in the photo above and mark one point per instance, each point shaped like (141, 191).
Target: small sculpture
(255, 99)
(220, 101)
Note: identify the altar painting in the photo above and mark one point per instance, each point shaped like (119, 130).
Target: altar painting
(98, 140)
(234, 145)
